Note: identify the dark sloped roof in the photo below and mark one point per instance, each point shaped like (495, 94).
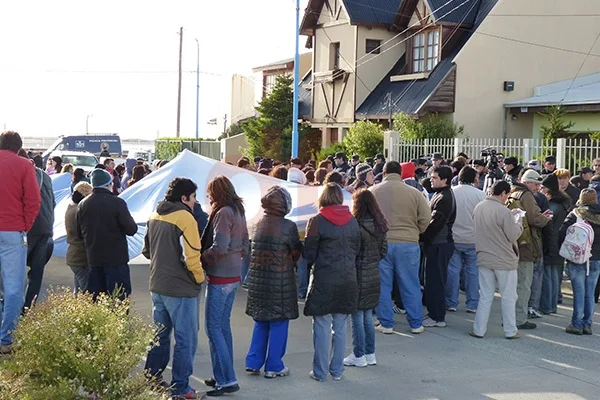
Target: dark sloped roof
(409, 96)
(372, 11)
(465, 13)
(305, 98)
(360, 12)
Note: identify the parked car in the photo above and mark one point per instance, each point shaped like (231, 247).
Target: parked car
(80, 159)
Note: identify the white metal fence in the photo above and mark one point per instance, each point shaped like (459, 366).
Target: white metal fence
(571, 154)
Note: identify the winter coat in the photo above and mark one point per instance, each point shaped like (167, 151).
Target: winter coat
(560, 205)
(104, 222)
(44, 222)
(531, 251)
(512, 177)
(332, 245)
(129, 164)
(276, 246)
(373, 248)
(443, 215)
(590, 214)
(172, 244)
(573, 193)
(76, 256)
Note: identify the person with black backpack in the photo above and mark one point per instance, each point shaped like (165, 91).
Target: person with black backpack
(583, 276)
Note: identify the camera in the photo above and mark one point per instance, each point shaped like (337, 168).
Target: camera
(488, 152)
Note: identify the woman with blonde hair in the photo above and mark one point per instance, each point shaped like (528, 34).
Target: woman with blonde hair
(224, 245)
(67, 168)
(332, 246)
(76, 253)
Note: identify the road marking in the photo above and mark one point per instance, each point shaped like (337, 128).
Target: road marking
(563, 365)
(170, 368)
(572, 346)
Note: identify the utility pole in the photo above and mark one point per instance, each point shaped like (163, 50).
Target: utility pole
(225, 125)
(390, 118)
(179, 84)
(295, 135)
(197, 85)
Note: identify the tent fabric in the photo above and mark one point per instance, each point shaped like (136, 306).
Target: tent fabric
(143, 197)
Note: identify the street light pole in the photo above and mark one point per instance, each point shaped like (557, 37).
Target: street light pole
(295, 135)
(197, 85)
(179, 85)
(87, 119)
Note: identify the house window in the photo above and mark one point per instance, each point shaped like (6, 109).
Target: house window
(269, 83)
(373, 46)
(334, 56)
(426, 50)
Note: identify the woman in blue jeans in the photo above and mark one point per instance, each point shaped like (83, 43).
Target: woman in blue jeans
(224, 245)
(583, 279)
(332, 245)
(373, 248)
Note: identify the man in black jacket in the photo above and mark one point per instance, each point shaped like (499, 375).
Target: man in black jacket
(39, 237)
(439, 246)
(341, 162)
(104, 222)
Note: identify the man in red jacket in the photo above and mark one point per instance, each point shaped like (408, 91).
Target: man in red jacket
(20, 194)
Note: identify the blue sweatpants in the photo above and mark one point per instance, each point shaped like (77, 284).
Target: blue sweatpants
(269, 342)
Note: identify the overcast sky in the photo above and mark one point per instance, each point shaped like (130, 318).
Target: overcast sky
(116, 61)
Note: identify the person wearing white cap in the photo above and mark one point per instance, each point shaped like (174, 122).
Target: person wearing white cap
(104, 222)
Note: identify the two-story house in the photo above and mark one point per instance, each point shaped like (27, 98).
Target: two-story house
(462, 58)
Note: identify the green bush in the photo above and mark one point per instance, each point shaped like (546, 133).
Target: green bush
(431, 126)
(365, 138)
(331, 150)
(74, 348)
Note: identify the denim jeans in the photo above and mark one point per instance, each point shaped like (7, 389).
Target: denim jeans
(180, 315)
(402, 260)
(302, 276)
(549, 298)
(81, 278)
(363, 333)
(464, 259)
(583, 292)
(38, 253)
(269, 342)
(323, 325)
(536, 284)
(219, 302)
(13, 257)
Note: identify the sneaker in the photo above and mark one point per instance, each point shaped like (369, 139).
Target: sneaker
(532, 313)
(252, 371)
(220, 391)
(430, 323)
(371, 360)
(416, 331)
(527, 325)
(210, 382)
(337, 378)
(574, 331)
(384, 330)
(7, 349)
(192, 395)
(587, 330)
(398, 310)
(353, 361)
(451, 309)
(375, 321)
(473, 334)
(515, 336)
(471, 310)
(313, 376)
(272, 374)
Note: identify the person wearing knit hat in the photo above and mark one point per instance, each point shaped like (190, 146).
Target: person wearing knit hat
(364, 178)
(76, 256)
(100, 178)
(104, 222)
(584, 277)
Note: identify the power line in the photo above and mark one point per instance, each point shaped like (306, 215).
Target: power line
(581, 67)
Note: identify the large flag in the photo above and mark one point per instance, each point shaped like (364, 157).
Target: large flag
(143, 197)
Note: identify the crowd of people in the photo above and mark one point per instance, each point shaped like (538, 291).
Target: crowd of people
(417, 234)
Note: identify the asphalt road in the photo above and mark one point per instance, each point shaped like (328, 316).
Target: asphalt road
(442, 363)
